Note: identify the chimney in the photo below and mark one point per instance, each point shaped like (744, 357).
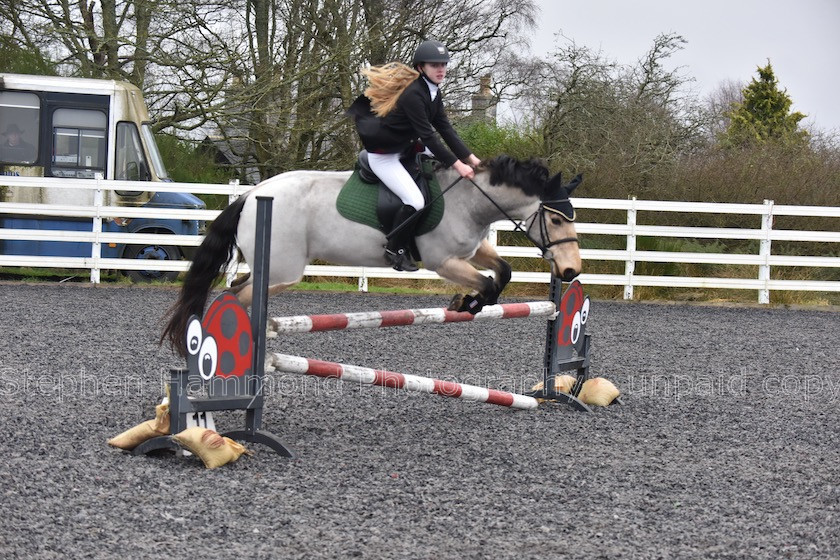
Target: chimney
(483, 107)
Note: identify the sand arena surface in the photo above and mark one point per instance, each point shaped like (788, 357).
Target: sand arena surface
(727, 444)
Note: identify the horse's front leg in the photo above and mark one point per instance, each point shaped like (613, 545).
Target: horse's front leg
(487, 257)
(461, 272)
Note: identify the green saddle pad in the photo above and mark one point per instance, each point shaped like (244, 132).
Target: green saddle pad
(357, 202)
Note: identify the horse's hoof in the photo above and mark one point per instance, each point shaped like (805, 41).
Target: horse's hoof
(466, 303)
(456, 302)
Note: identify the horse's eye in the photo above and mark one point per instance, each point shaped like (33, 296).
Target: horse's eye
(556, 221)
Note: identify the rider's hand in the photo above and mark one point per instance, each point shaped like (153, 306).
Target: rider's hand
(464, 170)
(474, 161)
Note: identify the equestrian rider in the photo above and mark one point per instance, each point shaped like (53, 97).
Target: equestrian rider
(401, 107)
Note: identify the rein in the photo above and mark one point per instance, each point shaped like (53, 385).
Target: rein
(544, 244)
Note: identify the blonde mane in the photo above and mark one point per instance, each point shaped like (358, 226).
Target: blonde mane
(387, 82)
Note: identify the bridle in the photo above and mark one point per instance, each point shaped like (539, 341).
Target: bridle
(544, 209)
(546, 206)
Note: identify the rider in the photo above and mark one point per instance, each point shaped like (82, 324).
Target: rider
(401, 107)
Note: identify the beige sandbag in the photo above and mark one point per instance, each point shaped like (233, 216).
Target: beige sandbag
(562, 384)
(214, 449)
(133, 437)
(162, 418)
(598, 391)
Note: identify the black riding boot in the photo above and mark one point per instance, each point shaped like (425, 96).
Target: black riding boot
(396, 250)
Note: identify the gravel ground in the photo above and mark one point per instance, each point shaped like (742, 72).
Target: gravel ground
(727, 444)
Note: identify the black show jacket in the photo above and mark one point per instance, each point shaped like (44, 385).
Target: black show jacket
(415, 117)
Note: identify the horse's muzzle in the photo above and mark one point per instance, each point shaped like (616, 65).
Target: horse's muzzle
(567, 274)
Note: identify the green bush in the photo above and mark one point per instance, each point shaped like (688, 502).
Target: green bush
(189, 162)
(488, 140)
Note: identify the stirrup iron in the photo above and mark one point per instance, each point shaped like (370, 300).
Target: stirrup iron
(401, 260)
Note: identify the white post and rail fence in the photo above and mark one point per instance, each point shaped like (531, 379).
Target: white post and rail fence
(822, 269)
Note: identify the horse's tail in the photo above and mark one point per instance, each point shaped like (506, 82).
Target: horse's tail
(215, 252)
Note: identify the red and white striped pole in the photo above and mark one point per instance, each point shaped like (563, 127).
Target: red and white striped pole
(406, 317)
(383, 378)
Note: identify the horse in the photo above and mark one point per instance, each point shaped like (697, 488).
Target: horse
(306, 226)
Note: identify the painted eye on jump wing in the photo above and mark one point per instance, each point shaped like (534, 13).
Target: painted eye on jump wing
(208, 358)
(194, 337)
(584, 311)
(576, 327)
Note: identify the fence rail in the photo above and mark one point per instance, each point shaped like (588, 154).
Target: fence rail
(764, 260)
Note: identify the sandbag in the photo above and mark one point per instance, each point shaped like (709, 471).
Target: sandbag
(133, 437)
(598, 391)
(212, 448)
(162, 418)
(562, 384)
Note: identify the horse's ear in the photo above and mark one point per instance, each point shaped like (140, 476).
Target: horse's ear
(553, 188)
(573, 184)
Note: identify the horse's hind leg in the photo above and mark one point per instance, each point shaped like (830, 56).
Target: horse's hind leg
(245, 293)
(487, 257)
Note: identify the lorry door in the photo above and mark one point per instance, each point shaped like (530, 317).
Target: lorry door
(76, 127)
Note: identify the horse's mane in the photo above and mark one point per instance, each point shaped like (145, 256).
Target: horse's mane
(530, 176)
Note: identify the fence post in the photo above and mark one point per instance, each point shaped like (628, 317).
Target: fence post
(230, 275)
(493, 235)
(765, 251)
(96, 246)
(363, 282)
(630, 265)
(234, 190)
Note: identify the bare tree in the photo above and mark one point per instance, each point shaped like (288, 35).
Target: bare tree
(104, 40)
(290, 113)
(626, 125)
(271, 78)
(719, 105)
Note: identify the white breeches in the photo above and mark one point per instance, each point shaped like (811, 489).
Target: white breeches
(391, 172)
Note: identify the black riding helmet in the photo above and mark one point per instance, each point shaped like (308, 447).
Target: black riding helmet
(430, 51)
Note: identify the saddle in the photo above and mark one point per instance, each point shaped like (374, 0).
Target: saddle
(366, 200)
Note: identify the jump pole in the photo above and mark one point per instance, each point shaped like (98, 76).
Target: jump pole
(561, 354)
(406, 317)
(567, 346)
(383, 378)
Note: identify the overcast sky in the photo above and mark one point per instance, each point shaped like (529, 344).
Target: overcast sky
(727, 41)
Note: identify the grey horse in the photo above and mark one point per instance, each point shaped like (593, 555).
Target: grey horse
(306, 226)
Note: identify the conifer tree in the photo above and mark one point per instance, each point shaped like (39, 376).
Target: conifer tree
(764, 115)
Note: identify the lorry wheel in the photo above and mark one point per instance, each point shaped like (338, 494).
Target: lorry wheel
(152, 253)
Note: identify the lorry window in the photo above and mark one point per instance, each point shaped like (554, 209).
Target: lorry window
(154, 152)
(79, 146)
(19, 127)
(131, 162)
